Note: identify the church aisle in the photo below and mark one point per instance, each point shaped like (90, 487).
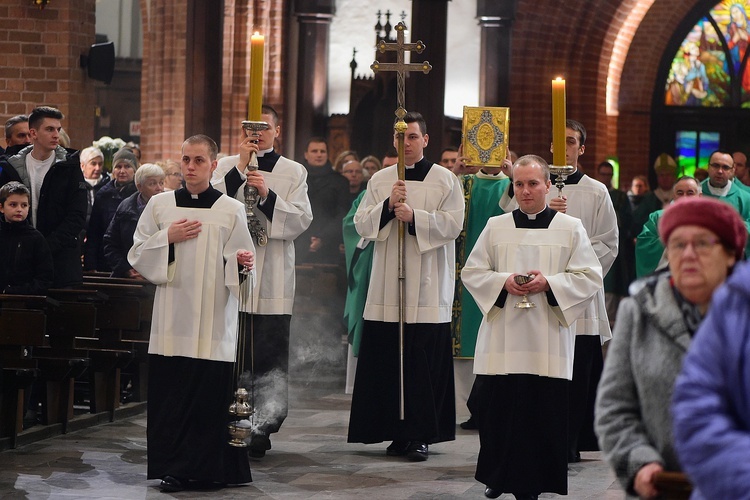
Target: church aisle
(310, 459)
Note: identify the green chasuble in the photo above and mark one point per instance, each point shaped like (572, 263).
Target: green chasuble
(358, 266)
(739, 199)
(482, 193)
(648, 247)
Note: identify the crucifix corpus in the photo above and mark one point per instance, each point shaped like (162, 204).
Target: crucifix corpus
(401, 68)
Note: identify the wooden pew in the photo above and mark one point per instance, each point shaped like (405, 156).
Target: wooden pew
(22, 330)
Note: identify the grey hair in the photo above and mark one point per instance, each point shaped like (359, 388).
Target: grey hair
(148, 170)
(90, 153)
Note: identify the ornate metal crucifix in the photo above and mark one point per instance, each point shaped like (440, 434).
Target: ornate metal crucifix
(401, 67)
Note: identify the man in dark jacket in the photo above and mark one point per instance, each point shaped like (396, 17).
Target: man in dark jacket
(16, 135)
(58, 191)
(330, 200)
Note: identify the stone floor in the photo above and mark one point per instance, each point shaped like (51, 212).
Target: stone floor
(310, 459)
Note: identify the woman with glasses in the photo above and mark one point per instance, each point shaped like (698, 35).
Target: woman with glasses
(704, 238)
(173, 175)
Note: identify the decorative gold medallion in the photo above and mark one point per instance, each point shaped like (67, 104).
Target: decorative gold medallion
(485, 135)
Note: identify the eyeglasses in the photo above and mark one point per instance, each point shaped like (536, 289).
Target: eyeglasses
(701, 246)
(719, 166)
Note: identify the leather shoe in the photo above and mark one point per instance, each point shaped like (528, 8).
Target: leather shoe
(492, 493)
(258, 445)
(171, 484)
(417, 451)
(469, 425)
(397, 448)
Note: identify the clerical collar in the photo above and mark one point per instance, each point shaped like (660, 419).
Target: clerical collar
(571, 179)
(418, 171)
(486, 175)
(205, 199)
(263, 152)
(412, 166)
(267, 161)
(533, 216)
(540, 220)
(720, 192)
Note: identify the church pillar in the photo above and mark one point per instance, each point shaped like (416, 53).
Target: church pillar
(426, 93)
(495, 19)
(203, 69)
(314, 18)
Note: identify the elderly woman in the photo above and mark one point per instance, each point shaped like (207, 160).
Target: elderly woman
(173, 173)
(124, 165)
(92, 161)
(149, 179)
(704, 238)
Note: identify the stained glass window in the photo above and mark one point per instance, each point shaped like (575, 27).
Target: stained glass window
(693, 149)
(710, 67)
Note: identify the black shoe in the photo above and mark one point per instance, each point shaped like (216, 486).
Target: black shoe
(397, 448)
(525, 496)
(492, 493)
(574, 458)
(417, 451)
(171, 484)
(258, 445)
(469, 425)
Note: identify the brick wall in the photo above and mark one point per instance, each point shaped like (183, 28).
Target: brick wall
(40, 62)
(163, 79)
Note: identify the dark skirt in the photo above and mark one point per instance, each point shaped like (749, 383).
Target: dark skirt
(188, 402)
(523, 424)
(429, 401)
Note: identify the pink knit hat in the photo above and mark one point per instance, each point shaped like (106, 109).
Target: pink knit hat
(718, 217)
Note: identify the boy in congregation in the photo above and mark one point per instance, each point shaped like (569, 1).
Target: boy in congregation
(25, 257)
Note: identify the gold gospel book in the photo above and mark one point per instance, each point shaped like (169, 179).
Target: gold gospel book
(485, 135)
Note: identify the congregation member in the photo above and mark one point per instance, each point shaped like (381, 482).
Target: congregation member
(58, 193)
(124, 166)
(638, 191)
(665, 170)
(587, 200)
(354, 173)
(482, 192)
(192, 244)
(710, 411)
(524, 356)
(173, 175)
(16, 135)
(284, 212)
(370, 164)
(655, 326)
(329, 198)
(25, 258)
(448, 157)
(92, 163)
(149, 180)
(430, 204)
(343, 158)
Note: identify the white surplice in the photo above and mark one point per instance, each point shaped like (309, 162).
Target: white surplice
(292, 215)
(589, 202)
(537, 340)
(429, 257)
(195, 307)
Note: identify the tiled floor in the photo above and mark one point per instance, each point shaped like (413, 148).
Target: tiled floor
(310, 459)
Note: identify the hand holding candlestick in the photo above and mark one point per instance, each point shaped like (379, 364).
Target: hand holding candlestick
(257, 231)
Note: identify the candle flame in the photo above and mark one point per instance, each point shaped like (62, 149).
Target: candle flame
(558, 78)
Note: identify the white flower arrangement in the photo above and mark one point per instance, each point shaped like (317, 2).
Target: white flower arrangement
(108, 147)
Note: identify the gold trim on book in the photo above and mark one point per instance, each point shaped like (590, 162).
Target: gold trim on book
(485, 135)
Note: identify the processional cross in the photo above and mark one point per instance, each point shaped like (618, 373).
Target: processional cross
(401, 67)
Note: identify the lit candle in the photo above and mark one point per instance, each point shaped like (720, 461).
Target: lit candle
(255, 100)
(558, 122)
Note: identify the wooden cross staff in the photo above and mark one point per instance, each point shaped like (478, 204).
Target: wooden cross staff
(401, 67)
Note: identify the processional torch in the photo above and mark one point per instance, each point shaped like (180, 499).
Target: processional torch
(401, 67)
(240, 428)
(559, 166)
